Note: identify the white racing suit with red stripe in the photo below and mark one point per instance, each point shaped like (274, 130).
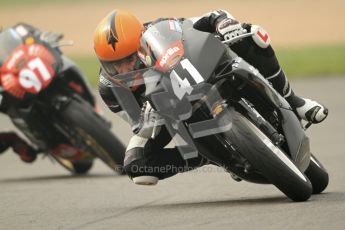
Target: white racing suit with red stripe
(146, 160)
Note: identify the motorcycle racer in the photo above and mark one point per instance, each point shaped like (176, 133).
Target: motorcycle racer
(116, 41)
(26, 152)
(10, 95)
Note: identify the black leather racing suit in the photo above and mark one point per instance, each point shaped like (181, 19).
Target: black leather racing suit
(148, 156)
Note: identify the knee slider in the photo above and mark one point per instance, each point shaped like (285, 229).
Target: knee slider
(145, 180)
(136, 171)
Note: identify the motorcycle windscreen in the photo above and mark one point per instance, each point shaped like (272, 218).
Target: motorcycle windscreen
(203, 50)
(174, 45)
(161, 44)
(9, 41)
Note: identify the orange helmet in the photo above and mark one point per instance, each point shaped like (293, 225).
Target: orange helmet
(117, 36)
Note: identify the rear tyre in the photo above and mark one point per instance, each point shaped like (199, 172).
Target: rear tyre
(317, 175)
(269, 160)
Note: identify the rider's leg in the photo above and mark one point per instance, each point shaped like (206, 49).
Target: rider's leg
(19, 146)
(147, 161)
(265, 60)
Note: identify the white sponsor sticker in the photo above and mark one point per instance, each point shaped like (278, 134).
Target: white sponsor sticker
(170, 52)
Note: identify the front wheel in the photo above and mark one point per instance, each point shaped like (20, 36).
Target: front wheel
(268, 159)
(77, 167)
(82, 167)
(92, 134)
(317, 174)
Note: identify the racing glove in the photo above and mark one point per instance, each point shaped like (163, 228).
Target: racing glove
(229, 27)
(150, 122)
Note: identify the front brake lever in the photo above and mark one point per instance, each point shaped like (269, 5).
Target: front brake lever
(307, 125)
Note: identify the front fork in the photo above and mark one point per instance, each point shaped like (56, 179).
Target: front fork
(249, 110)
(73, 149)
(297, 141)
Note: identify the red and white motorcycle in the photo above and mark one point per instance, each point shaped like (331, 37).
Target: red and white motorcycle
(48, 99)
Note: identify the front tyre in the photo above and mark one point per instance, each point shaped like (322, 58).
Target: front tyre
(268, 159)
(82, 167)
(77, 167)
(317, 175)
(90, 132)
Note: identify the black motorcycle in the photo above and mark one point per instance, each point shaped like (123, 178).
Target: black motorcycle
(215, 104)
(52, 104)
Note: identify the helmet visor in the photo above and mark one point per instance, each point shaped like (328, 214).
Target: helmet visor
(124, 65)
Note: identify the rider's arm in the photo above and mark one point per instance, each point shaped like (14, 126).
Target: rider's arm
(104, 88)
(145, 126)
(105, 91)
(226, 26)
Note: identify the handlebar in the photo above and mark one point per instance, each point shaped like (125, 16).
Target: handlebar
(54, 39)
(62, 43)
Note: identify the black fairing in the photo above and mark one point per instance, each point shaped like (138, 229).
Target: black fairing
(202, 49)
(298, 142)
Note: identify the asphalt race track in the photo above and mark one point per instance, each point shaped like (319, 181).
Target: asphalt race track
(45, 196)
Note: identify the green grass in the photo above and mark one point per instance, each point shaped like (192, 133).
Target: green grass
(90, 66)
(296, 63)
(313, 61)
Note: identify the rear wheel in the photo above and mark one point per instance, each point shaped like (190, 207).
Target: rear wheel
(317, 175)
(268, 159)
(91, 133)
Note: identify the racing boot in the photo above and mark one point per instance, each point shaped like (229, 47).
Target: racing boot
(27, 154)
(24, 151)
(19, 146)
(312, 111)
(3, 146)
